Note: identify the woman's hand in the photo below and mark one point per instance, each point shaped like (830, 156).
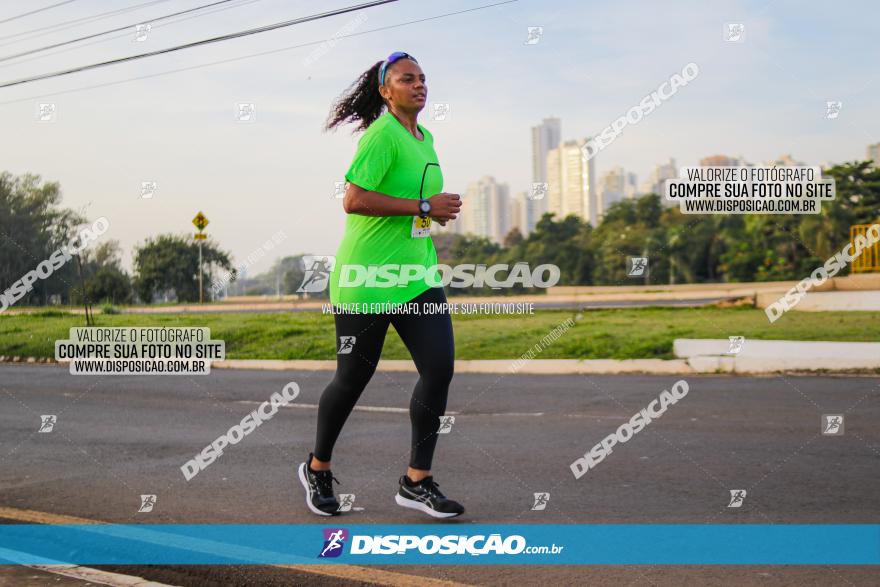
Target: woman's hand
(444, 207)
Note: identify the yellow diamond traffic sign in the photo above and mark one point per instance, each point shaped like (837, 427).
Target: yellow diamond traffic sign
(201, 221)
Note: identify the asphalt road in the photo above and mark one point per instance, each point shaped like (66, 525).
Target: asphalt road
(119, 437)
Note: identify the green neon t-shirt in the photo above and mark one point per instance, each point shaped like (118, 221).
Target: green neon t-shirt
(391, 161)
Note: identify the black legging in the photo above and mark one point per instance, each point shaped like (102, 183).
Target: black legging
(427, 336)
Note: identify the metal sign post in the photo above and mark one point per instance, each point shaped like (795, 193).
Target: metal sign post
(200, 221)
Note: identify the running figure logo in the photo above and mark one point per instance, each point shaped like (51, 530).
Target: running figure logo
(832, 424)
(734, 32)
(439, 111)
(246, 112)
(317, 270)
(832, 109)
(47, 423)
(736, 344)
(148, 189)
(637, 266)
(538, 191)
(147, 503)
(46, 112)
(737, 496)
(446, 423)
(534, 35)
(141, 31)
(339, 188)
(541, 500)
(346, 500)
(334, 541)
(346, 345)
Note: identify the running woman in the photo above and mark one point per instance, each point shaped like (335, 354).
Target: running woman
(394, 194)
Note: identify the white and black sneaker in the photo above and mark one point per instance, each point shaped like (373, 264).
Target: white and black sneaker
(319, 489)
(425, 496)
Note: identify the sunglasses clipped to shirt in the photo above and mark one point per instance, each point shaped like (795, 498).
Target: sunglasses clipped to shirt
(397, 55)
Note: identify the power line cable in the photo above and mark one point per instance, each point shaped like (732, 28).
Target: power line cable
(116, 30)
(77, 22)
(252, 55)
(218, 39)
(10, 19)
(200, 15)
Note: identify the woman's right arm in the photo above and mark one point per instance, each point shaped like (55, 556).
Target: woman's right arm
(357, 200)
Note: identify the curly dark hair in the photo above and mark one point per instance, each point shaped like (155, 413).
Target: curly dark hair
(361, 102)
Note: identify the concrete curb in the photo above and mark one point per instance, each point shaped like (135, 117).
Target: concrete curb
(697, 364)
(502, 366)
(767, 356)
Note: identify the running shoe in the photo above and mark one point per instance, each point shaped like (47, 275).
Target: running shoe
(319, 489)
(426, 497)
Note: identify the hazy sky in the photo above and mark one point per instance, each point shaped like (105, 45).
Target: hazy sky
(760, 98)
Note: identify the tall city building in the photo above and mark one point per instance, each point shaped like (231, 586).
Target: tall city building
(785, 161)
(874, 154)
(571, 183)
(488, 209)
(660, 173)
(617, 185)
(545, 137)
(719, 161)
(518, 212)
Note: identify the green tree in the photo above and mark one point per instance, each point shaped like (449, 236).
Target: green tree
(170, 263)
(32, 226)
(106, 281)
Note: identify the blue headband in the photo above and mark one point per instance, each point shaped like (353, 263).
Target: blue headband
(391, 59)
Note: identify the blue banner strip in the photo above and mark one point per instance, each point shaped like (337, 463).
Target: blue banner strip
(600, 544)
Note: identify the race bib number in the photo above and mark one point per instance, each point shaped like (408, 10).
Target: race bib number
(421, 227)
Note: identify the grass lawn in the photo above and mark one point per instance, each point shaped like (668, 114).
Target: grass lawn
(598, 334)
